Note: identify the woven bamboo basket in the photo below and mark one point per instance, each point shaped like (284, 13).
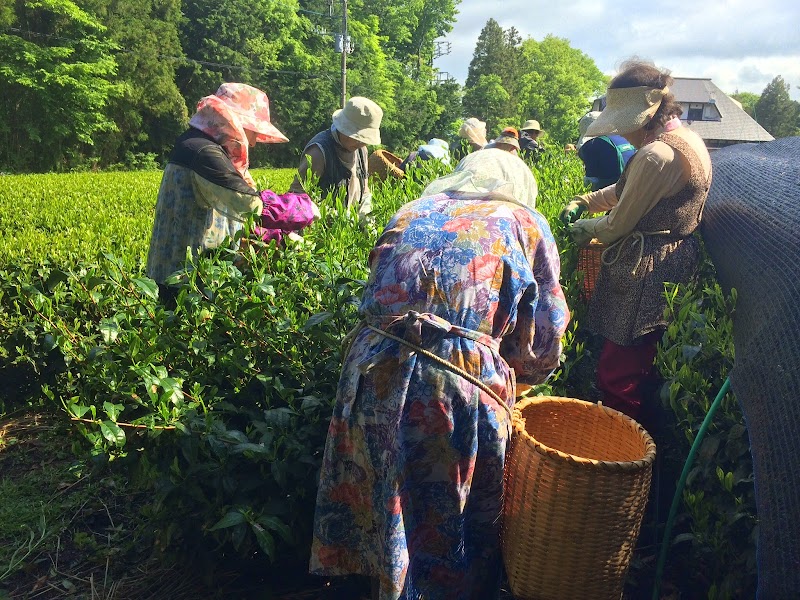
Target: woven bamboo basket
(577, 480)
(383, 163)
(589, 261)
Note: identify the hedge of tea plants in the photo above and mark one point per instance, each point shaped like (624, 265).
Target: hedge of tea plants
(219, 406)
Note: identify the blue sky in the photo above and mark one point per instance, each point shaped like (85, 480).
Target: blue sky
(740, 45)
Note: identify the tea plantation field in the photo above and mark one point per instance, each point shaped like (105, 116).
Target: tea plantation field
(195, 434)
(66, 218)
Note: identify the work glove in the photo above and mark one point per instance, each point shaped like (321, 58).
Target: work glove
(582, 230)
(572, 211)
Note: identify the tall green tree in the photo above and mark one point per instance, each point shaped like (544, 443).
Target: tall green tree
(57, 72)
(449, 97)
(406, 33)
(775, 111)
(557, 86)
(298, 68)
(151, 111)
(410, 28)
(497, 54)
(487, 100)
(214, 36)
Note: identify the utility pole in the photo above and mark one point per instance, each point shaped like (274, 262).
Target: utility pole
(344, 52)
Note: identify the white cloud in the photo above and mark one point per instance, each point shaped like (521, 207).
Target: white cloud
(741, 45)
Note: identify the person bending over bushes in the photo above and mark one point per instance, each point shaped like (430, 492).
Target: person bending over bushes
(207, 191)
(463, 300)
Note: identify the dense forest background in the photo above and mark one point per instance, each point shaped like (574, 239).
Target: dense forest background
(91, 84)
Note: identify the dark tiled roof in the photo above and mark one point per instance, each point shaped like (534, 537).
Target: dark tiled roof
(734, 126)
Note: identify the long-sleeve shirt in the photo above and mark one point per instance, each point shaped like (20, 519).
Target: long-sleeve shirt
(203, 199)
(194, 213)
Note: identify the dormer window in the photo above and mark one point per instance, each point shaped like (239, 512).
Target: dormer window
(695, 112)
(711, 112)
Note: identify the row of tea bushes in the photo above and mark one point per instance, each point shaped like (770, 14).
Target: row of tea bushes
(219, 407)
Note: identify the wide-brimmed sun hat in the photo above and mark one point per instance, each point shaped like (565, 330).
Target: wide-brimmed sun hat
(506, 139)
(251, 107)
(531, 125)
(360, 119)
(627, 109)
(474, 130)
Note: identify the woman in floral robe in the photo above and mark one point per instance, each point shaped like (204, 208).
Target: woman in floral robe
(463, 300)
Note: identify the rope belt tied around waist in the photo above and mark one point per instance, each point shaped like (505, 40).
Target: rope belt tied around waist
(416, 320)
(638, 238)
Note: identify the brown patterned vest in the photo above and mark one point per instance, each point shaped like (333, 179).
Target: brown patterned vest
(628, 300)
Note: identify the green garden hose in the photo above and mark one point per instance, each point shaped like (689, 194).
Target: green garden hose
(673, 509)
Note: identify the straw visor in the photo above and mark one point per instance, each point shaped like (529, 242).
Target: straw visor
(627, 109)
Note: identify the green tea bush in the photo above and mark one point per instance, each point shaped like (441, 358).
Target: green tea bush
(67, 218)
(717, 548)
(219, 406)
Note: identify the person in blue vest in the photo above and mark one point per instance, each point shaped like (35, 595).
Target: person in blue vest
(604, 157)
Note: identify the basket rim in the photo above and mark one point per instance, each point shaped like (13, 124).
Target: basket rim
(631, 465)
(594, 247)
(387, 161)
(381, 153)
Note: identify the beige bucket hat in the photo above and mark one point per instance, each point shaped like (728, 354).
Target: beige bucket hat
(360, 119)
(531, 124)
(627, 109)
(506, 139)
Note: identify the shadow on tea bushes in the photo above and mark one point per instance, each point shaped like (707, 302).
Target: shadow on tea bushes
(219, 406)
(715, 553)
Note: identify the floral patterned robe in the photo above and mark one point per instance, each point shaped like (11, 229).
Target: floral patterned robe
(412, 478)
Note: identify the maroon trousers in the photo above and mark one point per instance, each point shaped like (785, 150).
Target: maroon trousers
(622, 370)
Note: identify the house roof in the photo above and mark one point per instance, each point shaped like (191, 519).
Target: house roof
(735, 124)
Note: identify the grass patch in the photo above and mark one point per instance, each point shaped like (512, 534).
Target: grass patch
(77, 531)
(59, 527)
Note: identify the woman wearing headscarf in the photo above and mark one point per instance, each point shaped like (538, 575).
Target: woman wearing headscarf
(463, 301)
(207, 191)
(655, 208)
